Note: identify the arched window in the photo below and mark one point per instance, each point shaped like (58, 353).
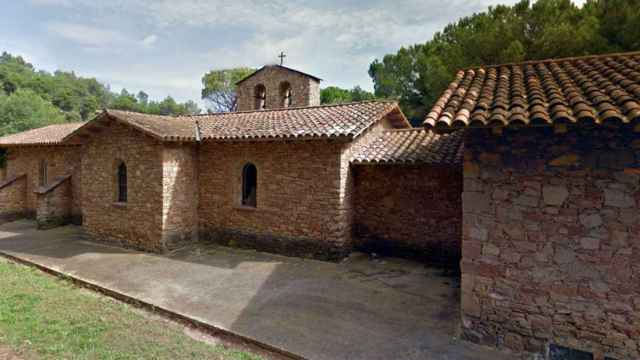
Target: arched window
(122, 182)
(261, 97)
(249, 185)
(43, 173)
(285, 94)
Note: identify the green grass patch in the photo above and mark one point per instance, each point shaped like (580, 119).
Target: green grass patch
(46, 318)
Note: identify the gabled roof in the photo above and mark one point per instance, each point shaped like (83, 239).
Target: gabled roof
(48, 135)
(324, 121)
(345, 121)
(413, 146)
(163, 128)
(585, 90)
(279, 67)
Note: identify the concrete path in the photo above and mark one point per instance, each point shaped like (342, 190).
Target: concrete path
(358, 309)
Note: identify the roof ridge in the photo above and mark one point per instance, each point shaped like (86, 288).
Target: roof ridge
(294, 108)
(551, 60)
(407, 129)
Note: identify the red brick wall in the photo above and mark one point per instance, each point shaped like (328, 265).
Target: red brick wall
(138, 223)
(405, 210)
(13, 198)
(180, 194)
(54, 204)
(300, 209)
(551, 240)
(61, 161)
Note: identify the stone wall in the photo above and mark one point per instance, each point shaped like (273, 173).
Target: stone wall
(300, 209)
(138, 223)
(61, 161)
(13, 198)
(305, 91)
(409, 211)
(551, 240)
(54, 203)
(180, 195)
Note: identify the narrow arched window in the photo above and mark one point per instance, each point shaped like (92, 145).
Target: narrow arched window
(249, 185)
(43, 173)
(285, 94)
(260, 94)
(122, 182)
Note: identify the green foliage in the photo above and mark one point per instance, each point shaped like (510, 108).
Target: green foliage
(24, 109)
(417, 75)
(219, 88)
(26, 94)
(336, 95)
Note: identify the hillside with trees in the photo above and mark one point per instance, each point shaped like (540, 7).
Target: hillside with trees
(417, 75)
(31, 98)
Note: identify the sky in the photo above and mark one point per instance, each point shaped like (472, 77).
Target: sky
(165, 46)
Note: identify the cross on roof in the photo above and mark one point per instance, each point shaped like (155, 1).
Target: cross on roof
(282, 56)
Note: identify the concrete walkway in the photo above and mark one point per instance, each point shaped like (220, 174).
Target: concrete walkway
(359, 309)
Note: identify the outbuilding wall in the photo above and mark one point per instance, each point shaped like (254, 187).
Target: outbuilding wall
(410, 211)
(551, 240)
(138, 223)
(61, 161)
(300, 209)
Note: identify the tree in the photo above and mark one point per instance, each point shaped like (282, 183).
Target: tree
(336, 95)
(417, 75)
(219, 88)
(24, 110)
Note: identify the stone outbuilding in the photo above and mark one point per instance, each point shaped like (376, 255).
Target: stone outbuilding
(290, 176)
(551, 203)
(527, 175)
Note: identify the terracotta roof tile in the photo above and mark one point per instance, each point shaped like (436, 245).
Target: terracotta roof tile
(166, 128)
(48, 135)
(325, 121)
(413, 146)
(344, 120)
(592, 89)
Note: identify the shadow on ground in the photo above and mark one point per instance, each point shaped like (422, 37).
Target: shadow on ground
(358, 309)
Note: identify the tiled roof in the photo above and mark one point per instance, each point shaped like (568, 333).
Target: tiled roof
(48, 135)
(279, 67)
(591, 89)
(325, 121)
(165, 128)
(413, 146)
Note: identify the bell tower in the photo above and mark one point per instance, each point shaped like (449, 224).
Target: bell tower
(277, 87)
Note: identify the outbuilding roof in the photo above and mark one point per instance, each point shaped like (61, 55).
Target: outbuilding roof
(48, 135)
(324, 121)
(585, 90)
(413, 146)
(345, 121)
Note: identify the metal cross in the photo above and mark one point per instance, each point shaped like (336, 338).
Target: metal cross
(282, 56)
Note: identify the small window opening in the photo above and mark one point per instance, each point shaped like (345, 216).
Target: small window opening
(44, 173)
(260, 97)
(558, 352)
(122, 183)
(249, 185)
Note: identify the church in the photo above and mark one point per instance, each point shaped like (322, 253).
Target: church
(526, 175)
(282, 174)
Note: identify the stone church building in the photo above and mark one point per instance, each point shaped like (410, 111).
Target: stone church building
(527, 175)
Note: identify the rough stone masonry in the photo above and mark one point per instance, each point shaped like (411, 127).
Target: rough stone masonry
(551, 240)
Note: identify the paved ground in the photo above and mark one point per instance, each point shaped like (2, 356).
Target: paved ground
(358, 309)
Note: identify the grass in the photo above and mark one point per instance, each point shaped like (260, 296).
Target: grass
(42, 317)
